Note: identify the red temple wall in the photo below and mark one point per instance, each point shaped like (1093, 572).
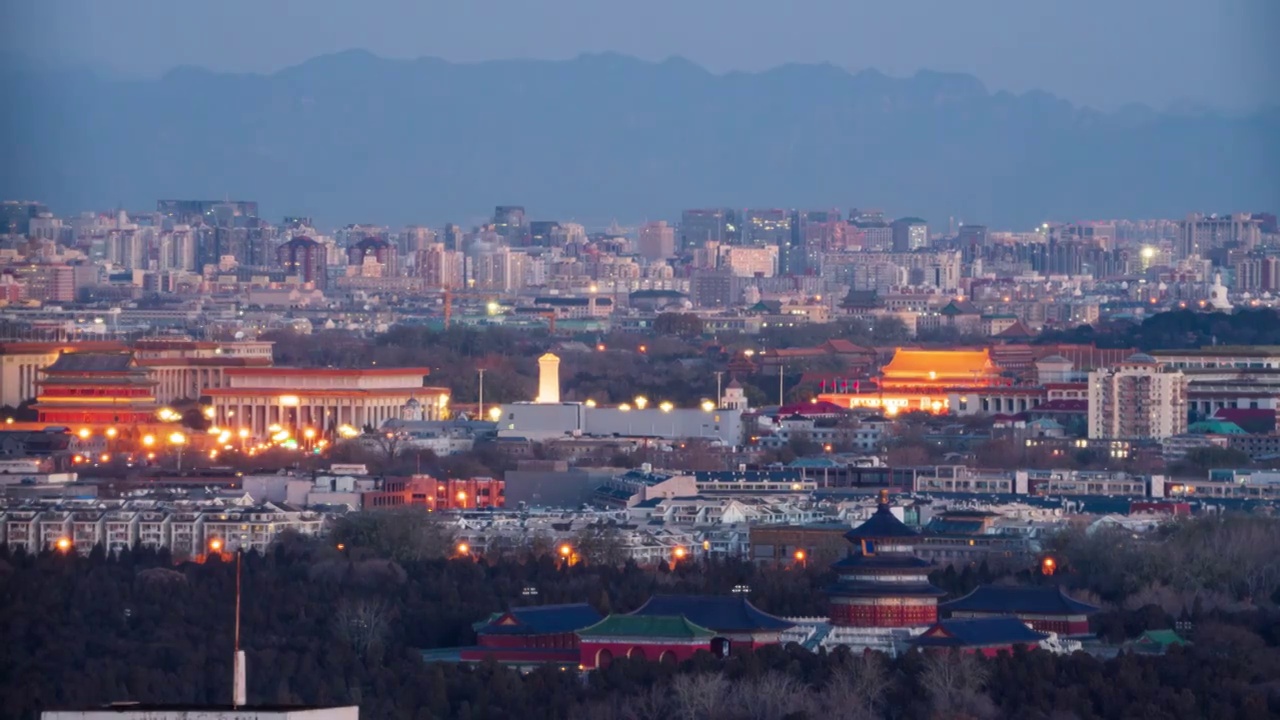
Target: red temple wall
(590, 652)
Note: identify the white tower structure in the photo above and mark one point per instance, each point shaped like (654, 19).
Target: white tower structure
(548, 379)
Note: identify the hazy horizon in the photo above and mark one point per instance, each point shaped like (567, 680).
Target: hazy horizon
(1089, 52)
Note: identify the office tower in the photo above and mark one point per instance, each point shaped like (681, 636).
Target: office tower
(451, 237)
(190, 211)
(750, 261)
(657, 241)
(16, 216)
(305, 258)
(910, 233)
(508, 221)
(1200, 234)
(415, 238)
(767, 226)
(719, 225)
(1137, 399)
(543, 233)
(817, 232)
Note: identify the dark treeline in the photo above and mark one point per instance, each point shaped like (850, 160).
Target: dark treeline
(327, 626)
(1179, 329)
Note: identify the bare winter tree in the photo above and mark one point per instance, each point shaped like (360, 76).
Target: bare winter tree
(772, 697)
(858, 690)
(699, 696)
(652, 704)
(361, 623)
(954, 683)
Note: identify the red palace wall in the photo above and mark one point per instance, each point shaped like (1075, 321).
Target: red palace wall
(600, 654)
(555, 641)
(883, 615)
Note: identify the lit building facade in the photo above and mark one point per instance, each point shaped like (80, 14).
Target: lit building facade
(1137, 399)
(325, 400)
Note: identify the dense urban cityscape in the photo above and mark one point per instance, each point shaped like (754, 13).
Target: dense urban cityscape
(675, 360)
(964, 438)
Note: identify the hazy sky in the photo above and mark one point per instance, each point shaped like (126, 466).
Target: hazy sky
(1098, 52)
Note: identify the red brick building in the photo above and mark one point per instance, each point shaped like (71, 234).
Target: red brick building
(881, 583)
(438, 494)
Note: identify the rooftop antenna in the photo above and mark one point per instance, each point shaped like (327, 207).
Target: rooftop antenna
(238, 691)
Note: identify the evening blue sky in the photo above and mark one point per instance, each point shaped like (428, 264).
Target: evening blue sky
(1097, 52)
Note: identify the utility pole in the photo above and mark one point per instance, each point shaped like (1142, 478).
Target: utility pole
(480, 412)
(719, 392)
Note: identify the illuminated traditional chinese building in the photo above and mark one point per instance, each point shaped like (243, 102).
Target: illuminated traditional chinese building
(926, 380)
(96, 388)
(881, 583)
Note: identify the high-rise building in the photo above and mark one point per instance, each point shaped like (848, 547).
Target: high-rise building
(373, 249)
(1137, 399)
(305, 258)
(508, 221)
(657, 241)
(16, 216)
(719, 225)
(50, 283)
(1200, 234)
(441, 268)
(452, 237)
(910, 233)
(767, 226)
(750, 261)
(190, 211)
(542, 233)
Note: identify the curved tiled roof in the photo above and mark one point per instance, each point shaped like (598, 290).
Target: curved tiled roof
(540, 620)
(648, 626)
(1030, 600)
(722, 613)
(978, 632)
(882, 524)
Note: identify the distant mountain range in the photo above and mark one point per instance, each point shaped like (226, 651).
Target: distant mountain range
(351, 137)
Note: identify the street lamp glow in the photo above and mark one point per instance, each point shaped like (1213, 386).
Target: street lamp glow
(463, 548)
(708, 406)
(624, 407)
(680, 552)
(215, 545)
(112, 432)
(148, 440)
(495, 414)
(64, 544)
(177, 439)
(84, 433)
(641, 401)
(309, 433)
(590, 403)
(565, 550)
(666, 406)
(244, 433)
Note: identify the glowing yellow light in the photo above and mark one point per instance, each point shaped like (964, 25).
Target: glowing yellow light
(215, 430)
(112, 432)
(463, 548)
(274, 428)
(1148, 252)
(641, 401)
(309, 433)
(208, 412)
(565, 550)
(492, 308)
(244, 433)
(708, 406)
(462, 496)
(104, 458)
(495, 414)
(624, 407)
(215, 545)
(177, 438)
(800, 555)
(148, 440)
(665, 406)
(289, 400)
(84, 433)
(64, 544)
(590, 403)
(680, 552)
